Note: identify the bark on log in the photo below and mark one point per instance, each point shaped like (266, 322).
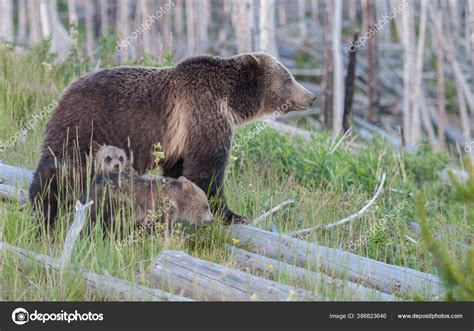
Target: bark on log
(8, 192)
(344, 289)
(15, 176)
(202, 280)
(110, 287)
(335, 262)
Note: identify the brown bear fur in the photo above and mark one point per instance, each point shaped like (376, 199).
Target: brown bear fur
(167, 198)
(191, 109)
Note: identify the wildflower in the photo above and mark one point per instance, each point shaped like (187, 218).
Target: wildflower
(235, 241)
(47, 66)
(270, 266)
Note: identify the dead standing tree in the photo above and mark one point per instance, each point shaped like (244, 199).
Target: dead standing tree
(328, 75)
(350, 85)
(371, 61)
(267, 27)
(338, 94)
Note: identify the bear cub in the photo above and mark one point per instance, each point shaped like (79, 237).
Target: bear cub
(153, 198)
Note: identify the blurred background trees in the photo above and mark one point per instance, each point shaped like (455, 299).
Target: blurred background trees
(414, 69)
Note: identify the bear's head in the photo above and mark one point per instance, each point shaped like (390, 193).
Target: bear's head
(190, 203)
(280, 92)
(108, 158)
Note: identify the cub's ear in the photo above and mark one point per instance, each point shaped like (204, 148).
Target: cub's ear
(187, 185)
(95, 147)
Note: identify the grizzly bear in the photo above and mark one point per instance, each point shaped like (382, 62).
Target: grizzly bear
(191, 109)
(109, 159)
(156, 199)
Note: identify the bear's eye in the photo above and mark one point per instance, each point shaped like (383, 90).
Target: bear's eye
(121, 159)
(108, 159)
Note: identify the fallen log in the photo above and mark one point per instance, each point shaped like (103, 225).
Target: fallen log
(8, 193)
(15, 176)
(394, 141)
(110, 287)
(294, 131)
(344, 289)
(201, 280)
(335, 262)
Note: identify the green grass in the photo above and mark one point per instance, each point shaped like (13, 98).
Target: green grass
(327, 184)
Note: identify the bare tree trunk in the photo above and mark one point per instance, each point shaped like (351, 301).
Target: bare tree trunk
(167, 31)
(302, 19)
(122, 27)
(371, 62)
(455, 17)
(224, 20)
(179, 28)
(471, 25)
(314, 11)
(338, 68)
(89, 13)
(242, 24)
(282, 13)
(440, 91)
(147, 41)
(352, 5)
(418, 74)
(22, 23)
(6, 23)
(72, 13)
(203, 8)
(328, 75)
(350, 86)
(104, 17)
(34, 21)
(52, 27)
(267, 27)
(406, 19)
(190, 27)
(464, 117)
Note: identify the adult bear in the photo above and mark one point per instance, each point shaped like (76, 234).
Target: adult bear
(191, 109)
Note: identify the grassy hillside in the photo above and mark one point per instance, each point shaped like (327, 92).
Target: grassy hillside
(328, 181)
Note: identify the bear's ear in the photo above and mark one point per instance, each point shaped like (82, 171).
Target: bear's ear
(249, 58)
(95, 147)
(187, 185)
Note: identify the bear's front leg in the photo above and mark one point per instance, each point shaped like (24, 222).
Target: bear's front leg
(207, 172)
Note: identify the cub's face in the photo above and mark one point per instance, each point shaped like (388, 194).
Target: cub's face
(109, 159)
(191, 204)
(282, 93)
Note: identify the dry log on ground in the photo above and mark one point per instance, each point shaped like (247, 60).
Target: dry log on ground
(282, 127)
(15, 176)
(394, 141)
(110, 287)
(8, 192)
(201, 280)
(335, 262)
(345, 289)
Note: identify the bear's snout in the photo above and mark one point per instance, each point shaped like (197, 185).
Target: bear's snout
(301, 97)
(207, 219)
